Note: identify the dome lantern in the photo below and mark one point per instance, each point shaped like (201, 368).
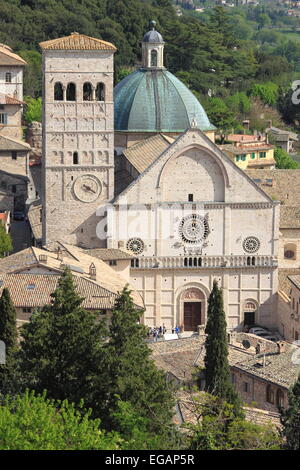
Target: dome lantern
(153, 49)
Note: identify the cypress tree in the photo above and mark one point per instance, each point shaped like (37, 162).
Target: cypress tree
(61, 346)
(290, 418)
(217, 371)
(9, 335)
(132, 374)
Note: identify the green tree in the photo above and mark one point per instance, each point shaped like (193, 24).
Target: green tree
(61, 346)
(284, 160)
(9, 335)
(290, 418)
(33, 111)
(131, 374)
(217, 372)
(33, 422)
(6, 246)
(32, 73)
(267, 92)
(220, 116)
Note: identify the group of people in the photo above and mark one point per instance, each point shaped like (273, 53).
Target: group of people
(155, 332)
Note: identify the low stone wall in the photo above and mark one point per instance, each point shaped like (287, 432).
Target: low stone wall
(262, 417)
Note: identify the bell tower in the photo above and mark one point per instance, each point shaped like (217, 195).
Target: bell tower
(153, 49)
(78, 137)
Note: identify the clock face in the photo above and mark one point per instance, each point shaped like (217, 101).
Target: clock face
(87, 188)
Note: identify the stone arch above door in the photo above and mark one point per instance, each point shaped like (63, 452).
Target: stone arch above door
(193, 293)
(191, 306)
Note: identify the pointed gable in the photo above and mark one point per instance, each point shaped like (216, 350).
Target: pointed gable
(193, 164)
(77, 41)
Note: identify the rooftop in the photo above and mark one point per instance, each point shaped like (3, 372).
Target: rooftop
(156, 101)
(77, 41)
(34, 290)
(6, 99)
(78, 261)
(107, 254)
(279, 369)
(142, 154)
(238, 149)
(8, 143)
(179, 357)
(8, 57)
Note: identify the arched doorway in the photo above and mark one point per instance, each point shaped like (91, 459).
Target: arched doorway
(250, 309)
(193, 309)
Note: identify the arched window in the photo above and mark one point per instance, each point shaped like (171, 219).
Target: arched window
(279, 398)
(87, 92)
(153, 58)
(58, 92)
(100, 92)
(71, 92)
(269, 394)
(8, 77)
(75, 158)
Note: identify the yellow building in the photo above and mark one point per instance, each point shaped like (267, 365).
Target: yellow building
(249, 151)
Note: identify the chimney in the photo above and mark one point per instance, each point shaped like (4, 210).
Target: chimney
(43, 258)
(59, 254)
(92, 271)
(280, 347)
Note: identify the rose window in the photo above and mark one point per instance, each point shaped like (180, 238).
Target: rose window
(136, 245)
(193, 229)
(251, 244)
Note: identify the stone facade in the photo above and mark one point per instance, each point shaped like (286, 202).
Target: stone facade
(78, 144)
(258, 392)
(229, 207)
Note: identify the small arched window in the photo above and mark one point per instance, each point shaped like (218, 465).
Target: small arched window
(100, 92)
(71, 92)
(8, 77)
(58, 92)
(75, 158)
(269, 394)
(279, 398)
(153, 58)
(87, 92)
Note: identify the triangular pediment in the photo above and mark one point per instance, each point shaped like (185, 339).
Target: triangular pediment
(187, 174)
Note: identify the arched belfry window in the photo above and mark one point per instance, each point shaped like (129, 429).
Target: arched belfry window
(153, 58)
(100, 92)
(58, 92)
(75, 158)
(71, 92)
(87, 92)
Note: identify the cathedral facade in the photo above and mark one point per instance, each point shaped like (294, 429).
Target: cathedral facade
(144, 175)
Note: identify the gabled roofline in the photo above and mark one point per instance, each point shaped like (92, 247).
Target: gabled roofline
(218, 151)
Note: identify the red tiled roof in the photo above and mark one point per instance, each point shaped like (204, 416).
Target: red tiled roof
(6, 99)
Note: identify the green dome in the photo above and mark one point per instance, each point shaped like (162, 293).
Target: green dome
(154, 100)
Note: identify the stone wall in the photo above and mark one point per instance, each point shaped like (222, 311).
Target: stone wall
(253, 390)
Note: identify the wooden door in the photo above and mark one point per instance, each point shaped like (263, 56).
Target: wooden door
(192, 315)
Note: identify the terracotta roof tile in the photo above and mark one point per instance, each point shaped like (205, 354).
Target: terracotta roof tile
(77, 41)
(8, 57)
(142, 154)
(6, 99)
(34, 290)
(7, 143)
